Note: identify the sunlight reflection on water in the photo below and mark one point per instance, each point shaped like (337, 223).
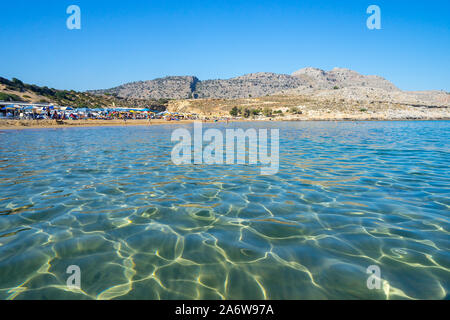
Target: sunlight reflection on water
(348, 195)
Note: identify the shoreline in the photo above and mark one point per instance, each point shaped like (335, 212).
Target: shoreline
(52, 124)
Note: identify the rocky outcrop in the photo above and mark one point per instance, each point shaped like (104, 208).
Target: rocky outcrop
(168, 87)
(250, 85)
(341, 78)
(338, 83)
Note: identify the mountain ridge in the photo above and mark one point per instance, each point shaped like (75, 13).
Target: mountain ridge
(248, 85)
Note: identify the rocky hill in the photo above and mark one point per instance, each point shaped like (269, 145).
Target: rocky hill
(250, 85)
(312, 86)
(161, 88)
(341, 78)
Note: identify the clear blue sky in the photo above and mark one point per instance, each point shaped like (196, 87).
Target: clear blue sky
(131, 40)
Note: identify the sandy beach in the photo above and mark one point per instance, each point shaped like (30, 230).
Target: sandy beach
(46, 124)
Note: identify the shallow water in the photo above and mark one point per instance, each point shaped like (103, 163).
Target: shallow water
(348, 195)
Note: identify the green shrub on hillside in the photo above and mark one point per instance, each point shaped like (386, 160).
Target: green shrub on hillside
(234, 112)
(295, 110)
(267, 112)
(256, 112)
(9, 97)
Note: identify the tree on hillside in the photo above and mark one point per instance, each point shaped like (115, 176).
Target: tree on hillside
(17, 82)
(234, 112)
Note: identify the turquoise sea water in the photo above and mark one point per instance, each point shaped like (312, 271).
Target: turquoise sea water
(348, 195)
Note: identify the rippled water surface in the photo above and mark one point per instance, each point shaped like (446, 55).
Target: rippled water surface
(348, 195)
